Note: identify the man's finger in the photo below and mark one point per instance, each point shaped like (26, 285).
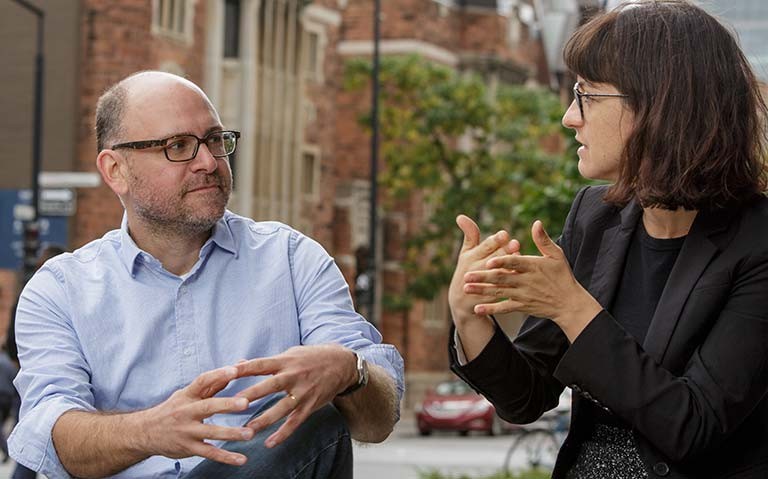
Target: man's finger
(208, 407)
(543, 242)
(278, 411)
(266, 387)
(258, 367)
(213, 453)
(222, 433)
(290, 425)
(210, 382)
(470, 230)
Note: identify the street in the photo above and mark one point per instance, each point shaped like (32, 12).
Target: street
(406, 453)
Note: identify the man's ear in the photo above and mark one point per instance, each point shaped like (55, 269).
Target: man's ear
(113, 171)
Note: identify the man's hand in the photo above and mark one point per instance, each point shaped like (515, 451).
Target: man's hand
(311, 376)
(95, 444)
(175, 427)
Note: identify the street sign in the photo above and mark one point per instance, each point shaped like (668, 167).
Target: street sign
(14, 210)
(69, 179)
(53, 202)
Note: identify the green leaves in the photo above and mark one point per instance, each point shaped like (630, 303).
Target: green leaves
(499, 156)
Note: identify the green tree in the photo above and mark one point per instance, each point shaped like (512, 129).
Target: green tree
(465, 148)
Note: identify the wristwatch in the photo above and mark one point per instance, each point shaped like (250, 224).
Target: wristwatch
(362, 375)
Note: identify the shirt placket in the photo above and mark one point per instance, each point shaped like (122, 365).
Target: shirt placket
(185, 330)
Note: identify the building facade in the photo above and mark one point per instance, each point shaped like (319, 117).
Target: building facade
(274, 70)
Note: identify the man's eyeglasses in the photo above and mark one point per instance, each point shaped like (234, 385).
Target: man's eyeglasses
(181, 148)
(579, 95)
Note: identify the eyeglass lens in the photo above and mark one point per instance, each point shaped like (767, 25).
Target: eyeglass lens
(183, 148)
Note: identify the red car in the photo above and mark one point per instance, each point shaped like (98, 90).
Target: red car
(454, 406)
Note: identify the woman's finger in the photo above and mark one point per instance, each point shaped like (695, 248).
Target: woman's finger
(506, 306)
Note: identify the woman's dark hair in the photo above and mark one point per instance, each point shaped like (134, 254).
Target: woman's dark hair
(699, 137)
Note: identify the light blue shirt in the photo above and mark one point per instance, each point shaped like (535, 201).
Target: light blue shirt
(106, 328)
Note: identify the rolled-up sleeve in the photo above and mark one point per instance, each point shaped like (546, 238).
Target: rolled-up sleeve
(54, 376)
(326, 312)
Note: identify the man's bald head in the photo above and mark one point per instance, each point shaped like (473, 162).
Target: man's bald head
(113, 104)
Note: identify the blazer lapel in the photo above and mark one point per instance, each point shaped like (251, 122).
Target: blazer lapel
(611, 255)
(697, 252)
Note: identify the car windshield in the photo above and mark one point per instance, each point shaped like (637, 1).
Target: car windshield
(452, 388)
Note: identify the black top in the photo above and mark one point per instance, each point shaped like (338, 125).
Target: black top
(646, 269)
(649, 262)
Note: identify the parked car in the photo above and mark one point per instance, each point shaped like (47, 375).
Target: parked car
(454, 406)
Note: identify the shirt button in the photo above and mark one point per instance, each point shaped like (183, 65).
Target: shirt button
(661, 468)
(188, 351)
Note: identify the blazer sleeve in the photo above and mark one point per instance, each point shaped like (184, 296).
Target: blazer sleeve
(687, 414)
(517, 376)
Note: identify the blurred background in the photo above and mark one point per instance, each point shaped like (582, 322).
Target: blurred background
(470, 94)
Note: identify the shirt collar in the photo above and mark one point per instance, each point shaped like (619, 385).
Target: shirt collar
(130, 252)
(222, 234)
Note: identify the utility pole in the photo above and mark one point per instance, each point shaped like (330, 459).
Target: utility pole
(374, 160)
(31, 226)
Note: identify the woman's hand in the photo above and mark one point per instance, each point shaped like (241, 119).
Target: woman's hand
(539, 285)
(474, 256)
(474, 330)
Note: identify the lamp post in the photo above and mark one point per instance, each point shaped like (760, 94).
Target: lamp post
(374, 161)
(31, 226)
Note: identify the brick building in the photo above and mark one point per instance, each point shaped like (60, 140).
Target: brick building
(274, 70)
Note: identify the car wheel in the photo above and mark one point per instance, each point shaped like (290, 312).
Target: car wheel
(424, 432)
(496, 428)
(464, 432)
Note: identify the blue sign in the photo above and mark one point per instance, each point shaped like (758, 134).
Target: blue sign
(53, 229)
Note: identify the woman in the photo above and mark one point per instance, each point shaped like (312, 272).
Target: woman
(653, 305)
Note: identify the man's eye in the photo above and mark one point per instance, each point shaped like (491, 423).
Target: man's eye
(176, 145)
(215, 139)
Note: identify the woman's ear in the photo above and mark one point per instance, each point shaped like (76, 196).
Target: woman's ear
(113, 171)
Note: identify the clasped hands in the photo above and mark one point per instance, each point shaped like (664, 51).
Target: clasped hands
(311, 376)
(492, 277)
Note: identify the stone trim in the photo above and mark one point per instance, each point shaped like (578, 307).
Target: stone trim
(400, 47)
(320, 14)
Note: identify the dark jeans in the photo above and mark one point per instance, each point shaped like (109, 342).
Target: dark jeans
(319, 449)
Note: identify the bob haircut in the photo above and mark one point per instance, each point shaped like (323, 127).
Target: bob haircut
(699, 137)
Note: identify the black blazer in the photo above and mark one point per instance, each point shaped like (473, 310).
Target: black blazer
(694, 392)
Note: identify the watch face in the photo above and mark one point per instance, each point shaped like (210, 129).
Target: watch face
(363, 372)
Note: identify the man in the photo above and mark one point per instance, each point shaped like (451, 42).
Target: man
(192, 342)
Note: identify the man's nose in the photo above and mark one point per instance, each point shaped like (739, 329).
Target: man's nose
(204, 160)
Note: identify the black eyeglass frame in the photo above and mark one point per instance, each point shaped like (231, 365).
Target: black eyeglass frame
(144, 144)
(578, 95)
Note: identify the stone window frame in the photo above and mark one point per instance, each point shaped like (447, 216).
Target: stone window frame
(316, 153)
(314, 72)
(160, 24)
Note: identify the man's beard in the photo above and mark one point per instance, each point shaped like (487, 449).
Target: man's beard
(169, 215)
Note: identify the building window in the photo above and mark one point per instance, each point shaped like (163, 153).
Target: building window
(314, 56)
(309, 165)
(232, 29)
(172, 18)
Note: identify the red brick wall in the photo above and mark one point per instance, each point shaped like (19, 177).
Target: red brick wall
(115, 42)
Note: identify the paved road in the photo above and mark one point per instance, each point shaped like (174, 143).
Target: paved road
(405, 453)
